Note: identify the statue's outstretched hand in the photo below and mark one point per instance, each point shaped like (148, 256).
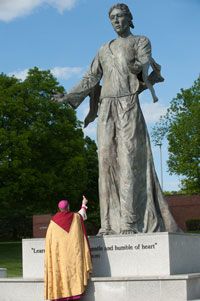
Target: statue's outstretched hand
(58, 97)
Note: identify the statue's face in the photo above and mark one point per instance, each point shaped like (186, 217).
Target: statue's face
(119, 21)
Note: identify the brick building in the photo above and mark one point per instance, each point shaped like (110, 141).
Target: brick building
(184, 208)
(40, 225)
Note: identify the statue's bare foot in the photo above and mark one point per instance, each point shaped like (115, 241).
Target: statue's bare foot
(106, 232)
(110, 232)
(128, 232)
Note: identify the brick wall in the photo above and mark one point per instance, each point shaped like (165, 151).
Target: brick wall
(184, 208)
(40, 225)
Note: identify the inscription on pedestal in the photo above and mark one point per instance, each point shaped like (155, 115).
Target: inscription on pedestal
(97, 251)
(131, 255)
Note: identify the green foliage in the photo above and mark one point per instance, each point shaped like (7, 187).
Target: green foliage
(15, 227)
(43, 154)
(168, 193)
(93, 222)
(181, 125)
(193, 225)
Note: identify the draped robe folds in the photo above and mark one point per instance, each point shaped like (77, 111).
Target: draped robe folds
(129, 191)
(67, 258)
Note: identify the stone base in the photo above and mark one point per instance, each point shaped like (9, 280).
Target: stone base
(165, 288)
(142, 267)
(148, 254)
(151, 254)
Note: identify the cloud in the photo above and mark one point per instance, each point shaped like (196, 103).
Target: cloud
(59, 72)
(91, 130)
(66, 72)
(153, 111)
(21, 74)
(11, 9)
(62, 5)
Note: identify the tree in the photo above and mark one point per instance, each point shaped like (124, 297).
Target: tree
(43, 153)
(93, 222)
(181, 126)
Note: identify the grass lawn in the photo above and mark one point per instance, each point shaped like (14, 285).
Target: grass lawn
(11, 258)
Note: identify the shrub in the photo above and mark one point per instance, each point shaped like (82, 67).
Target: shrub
(193, 225)
(15, 228)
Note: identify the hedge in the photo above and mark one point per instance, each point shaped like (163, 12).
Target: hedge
(193, 225)
(15, 228)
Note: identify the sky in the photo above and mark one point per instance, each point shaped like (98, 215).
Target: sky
(65, 35)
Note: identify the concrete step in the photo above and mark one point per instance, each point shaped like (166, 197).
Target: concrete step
(152, 288)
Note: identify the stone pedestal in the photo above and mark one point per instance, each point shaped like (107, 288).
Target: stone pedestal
(142, 267)
(33, 257)
(152, 254)
(145, 255)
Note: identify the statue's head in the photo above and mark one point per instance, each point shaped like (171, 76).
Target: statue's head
(120, 17)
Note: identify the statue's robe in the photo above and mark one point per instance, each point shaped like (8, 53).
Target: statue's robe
(67, 258)
(129, 191)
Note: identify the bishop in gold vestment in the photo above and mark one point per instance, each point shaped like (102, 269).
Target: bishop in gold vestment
(67, 257)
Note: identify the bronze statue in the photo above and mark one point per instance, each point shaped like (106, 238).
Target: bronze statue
(131, 199)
